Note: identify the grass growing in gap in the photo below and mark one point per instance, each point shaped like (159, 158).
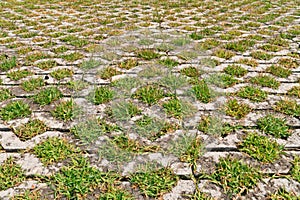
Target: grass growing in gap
(202, 92)
(187, 148)
(235, 109)
(66, 110)
(14, 110)
(153, 128)
(19, 74)
(295, 170)
(71, 57)
(154, 182)
(102, 94)
(261, 148)
(221, 80)
(279, 71)
(5, 94)
(27, 195)
(223, 53)
(239, 46)
(54, 150)
(168, 62)
(251, 62)
(283, 194)
(11, 174)
(77, 85)
(288, 63)
(126, 84)
(90, 129)
(47, 96)
(288, 107)
(127, 144)
(8, 64)
(265, 81)
(261, 55)
(149, 94)
(235, 70)
(108, 72)
(61, 74)
(45, 65)
(78, 179)
(273, 126)
(235, 176)
(178, 108)
(174, 82)
(253, 93)
(294, 91)
(147, 54)
(124, 110)
(113, 153)
(32, 84)
(128, 64)
(209, 62)
(215, 126)
(30, 129)
(190, 72)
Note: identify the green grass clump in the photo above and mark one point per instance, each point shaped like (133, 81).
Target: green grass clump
(265, 81)
(235, 70)
(196, 36)
(190, 72)
(77, 85)
(288, 63)
(221, 80)
(124, 110)
(283, 194)
(250, 62)
(71, 57)
(223, 53)
(108, 72)
(174, 82)
(5, 94)
(102, 94)
(32, 84)
(66, 110)
(8, 64)
(149, 94)
(178, 108)
(209, 44)
(14, 110)
(89, 64)
(147, 54)
(154, 183)
(30, 129)
(47, 96)
(187, 148)
(235, 109)
(279, 71)
(239, 46)
(168, 62)
(28, 195)
(273, 126)
(261, 55)
(128, 64)
(288, 107)
(78, 179)
(253, 93)
(11, 174)
(61, 74)
(214, 126)
(295, 170)
(294, 91)
(127, 144)
(19, 74)
(54, 150)
(261, 148)
(45, 65)
(202, 92)
(209, 62)
(153, 128)
(235, 177)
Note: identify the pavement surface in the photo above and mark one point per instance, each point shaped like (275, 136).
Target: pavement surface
(101, 43)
